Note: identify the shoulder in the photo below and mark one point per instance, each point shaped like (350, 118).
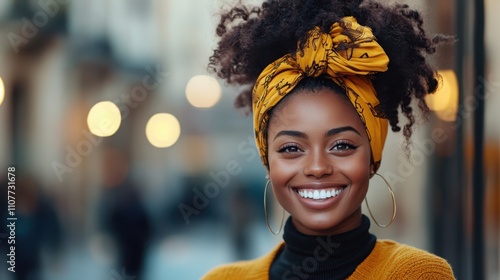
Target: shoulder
(410, 261)
(230, 271)
(400, 261)
(251, 269)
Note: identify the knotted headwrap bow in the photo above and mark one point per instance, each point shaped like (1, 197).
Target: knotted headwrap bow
(347, 62)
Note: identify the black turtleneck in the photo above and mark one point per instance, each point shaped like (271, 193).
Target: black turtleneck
(322, 257)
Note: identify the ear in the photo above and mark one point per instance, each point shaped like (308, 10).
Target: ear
(372, 170)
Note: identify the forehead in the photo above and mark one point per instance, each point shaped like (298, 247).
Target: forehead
(314, 107)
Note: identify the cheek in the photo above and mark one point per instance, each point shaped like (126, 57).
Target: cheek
(356, 167)
(357, 170)
(281, 175)
(281, 171)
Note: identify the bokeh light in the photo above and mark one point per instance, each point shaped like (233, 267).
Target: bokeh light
(163, 130)
(203, 91)
(445, 101)
(2, 91)
(104, 119)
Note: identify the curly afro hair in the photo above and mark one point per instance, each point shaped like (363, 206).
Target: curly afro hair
(253, 37)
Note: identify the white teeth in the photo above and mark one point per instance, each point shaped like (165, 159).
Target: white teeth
(317, 195)
(322, 194)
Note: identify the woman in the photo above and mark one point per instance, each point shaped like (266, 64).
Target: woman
(327, 79)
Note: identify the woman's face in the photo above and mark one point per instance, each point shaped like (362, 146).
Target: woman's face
(319, 161)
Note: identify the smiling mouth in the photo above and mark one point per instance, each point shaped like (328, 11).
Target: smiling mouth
(316, 194)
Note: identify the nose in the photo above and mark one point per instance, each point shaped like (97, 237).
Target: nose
(318, 165)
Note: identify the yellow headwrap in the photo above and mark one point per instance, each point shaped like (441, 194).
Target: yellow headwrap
(347, 62)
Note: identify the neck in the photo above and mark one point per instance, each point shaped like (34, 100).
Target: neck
(335, 256)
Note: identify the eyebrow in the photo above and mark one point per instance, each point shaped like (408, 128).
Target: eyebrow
(338, 130)
(331, 132)
(293, 133)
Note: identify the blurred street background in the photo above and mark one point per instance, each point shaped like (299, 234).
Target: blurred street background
(132, 163)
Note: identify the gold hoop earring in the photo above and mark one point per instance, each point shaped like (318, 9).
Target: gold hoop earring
(267, 217)
(393, 205)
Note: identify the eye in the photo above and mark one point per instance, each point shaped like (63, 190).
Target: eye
(289, 148)
(344, 146)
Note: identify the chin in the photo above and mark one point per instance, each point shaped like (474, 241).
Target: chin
(319, 224)
(326, 223)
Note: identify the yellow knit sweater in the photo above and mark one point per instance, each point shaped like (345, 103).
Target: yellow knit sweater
(388, 260)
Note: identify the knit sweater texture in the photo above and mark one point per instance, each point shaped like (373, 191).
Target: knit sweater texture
(388, 260)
